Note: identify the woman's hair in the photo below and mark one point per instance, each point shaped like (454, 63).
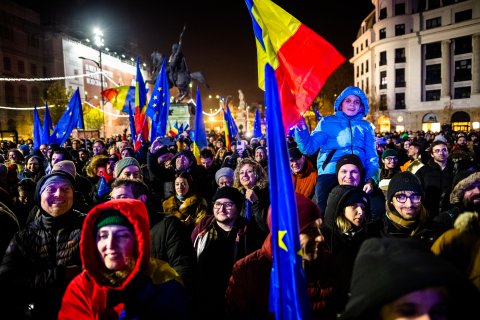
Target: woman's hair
(186, 176)
(260, 173)
(344, 225)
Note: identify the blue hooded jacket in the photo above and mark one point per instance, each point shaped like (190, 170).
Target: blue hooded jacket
(342, 135)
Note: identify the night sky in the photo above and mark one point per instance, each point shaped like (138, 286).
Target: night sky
(218, 40)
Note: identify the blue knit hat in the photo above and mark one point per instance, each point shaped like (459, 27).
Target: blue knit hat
(355, 91)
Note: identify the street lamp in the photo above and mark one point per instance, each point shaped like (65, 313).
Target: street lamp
(99, 42)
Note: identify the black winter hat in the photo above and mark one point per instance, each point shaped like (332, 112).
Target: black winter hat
(404, 181)
(230, 193)
(294, 154)
(387, 268)
(350, 159)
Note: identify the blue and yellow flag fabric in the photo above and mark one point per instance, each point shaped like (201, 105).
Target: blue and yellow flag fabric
(257, 126)
(37, 129)
(159, 104)
(70, 120)
(199, 135)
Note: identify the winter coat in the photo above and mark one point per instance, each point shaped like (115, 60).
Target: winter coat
(461, 246)
(422, 228)
(248, 290)
(217, 250)
(258, 227)
(339, 135)
(9, 225)
(448, 217)
(343, 246)
(304, 182)
(190, 211)
(151, 290)
(170, 242)
(33, 270)
(437, 185)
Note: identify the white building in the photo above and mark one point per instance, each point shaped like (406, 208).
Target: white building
(419, 63)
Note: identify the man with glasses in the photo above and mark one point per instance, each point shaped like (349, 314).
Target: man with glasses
(437, 179)
(219, 240)
(406, 216)
(390, 167)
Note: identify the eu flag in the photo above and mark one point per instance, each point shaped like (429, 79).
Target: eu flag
(288, 291)
(257, 125)
(200, 135)
(159, 104)
(103, 188)
(69, 120)
(47, 126)
(37, 129)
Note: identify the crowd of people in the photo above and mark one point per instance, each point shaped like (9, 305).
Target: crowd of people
(94, 229)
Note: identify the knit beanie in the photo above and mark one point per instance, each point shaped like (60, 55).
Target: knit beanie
(389, 153)
(111, 217)
(230, 193)
(404, 181)
(350, 159)
(355, 196)
(225, 171)
(307, 211)
(66, 166)
(46, 180)
(123, 163)
(294, 154)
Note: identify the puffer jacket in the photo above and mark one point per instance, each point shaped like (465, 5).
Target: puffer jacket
(341, 135)
(152, 289)
(33, 268)
(461, 246)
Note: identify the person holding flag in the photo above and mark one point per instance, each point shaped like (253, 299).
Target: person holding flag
(345, 132)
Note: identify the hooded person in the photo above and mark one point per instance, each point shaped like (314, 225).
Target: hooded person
(344, 229)
(350, 171)
(247, 295)
(465, 196)
(345, 132)
(391, 273)
(45, 255)
(120, 280)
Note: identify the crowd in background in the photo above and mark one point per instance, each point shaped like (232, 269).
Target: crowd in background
(208, 222)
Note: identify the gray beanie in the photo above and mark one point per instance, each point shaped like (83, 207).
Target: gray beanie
(225, 171)
(123, 163)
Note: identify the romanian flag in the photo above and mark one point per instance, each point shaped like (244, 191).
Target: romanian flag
(200, 135)
(141, 123)
(301, 59)
(174, 130)
(120, 97)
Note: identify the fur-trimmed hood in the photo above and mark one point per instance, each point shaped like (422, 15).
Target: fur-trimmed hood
(467, 221)
(458, 191)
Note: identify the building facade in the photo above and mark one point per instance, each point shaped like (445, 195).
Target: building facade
(419, 63)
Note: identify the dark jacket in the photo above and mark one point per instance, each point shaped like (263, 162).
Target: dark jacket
(170, 242)
(437, 184)
(217, 250)
(152, 289)
(33, 268)
(249, 287)
(343, 246)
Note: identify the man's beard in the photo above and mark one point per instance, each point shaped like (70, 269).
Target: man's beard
(471, 205)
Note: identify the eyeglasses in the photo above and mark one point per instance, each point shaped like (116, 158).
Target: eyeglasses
(402, 197)
(390, 159)
(226, 205)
